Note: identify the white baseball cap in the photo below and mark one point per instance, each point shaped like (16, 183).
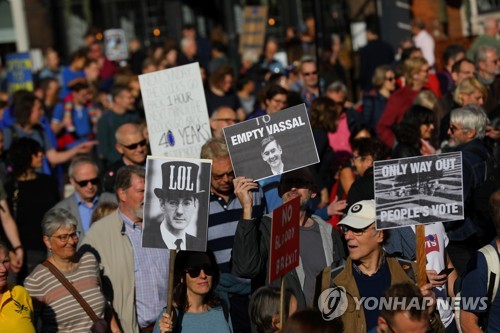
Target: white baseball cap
(360, 215)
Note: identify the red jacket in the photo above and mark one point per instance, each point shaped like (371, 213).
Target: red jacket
(397, 104)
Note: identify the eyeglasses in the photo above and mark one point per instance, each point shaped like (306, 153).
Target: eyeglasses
(227, 120)
(310, 73)
(280, 101)
(453, 129)
(83, 183)
(195, 271)
(229, 174)
(355, 232)
(64, 238)
(354, 158)
(390, 78)
(135, 145)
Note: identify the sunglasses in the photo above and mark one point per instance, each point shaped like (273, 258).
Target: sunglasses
(390, 78)
(135, 145)
(453, 129)
(309, 73)
(195, 271)
(83, 183)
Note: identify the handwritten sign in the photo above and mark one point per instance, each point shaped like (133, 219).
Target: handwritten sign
(418, 190)
(284, 254)
(176, 111)
(272, 144)
(19, 74)
(116, 44)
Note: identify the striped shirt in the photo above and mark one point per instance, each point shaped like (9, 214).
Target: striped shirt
(222, 223)
(58, 309)
(151, 275)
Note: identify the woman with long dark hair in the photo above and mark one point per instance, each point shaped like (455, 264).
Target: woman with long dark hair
(414, 133)
(30, 195)
(197, 306)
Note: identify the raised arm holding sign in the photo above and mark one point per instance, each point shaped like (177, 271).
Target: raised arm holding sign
(251, 250)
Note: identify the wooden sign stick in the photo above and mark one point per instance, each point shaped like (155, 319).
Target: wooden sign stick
(173, 253)
(282, 302)
(421, 259)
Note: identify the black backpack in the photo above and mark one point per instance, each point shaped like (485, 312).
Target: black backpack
(480, 213)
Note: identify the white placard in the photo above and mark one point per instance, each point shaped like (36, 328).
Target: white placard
(176, 111)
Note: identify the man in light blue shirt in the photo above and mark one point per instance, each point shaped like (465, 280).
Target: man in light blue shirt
(83, 174)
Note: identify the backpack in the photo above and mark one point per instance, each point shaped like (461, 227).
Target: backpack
(480, 212)
(493, 264)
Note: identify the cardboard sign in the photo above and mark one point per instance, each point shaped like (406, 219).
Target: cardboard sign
(254, 29)
(272, 144)
(176, 111)
(285, 239)
(19, 74)
(418, 190)
(115, 44)
(176, 203)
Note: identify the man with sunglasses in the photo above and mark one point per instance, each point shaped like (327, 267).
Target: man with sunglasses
(320, 244)
(368, 272)
(133, 148)
(466, 131)
(222, 117)
(309, 77)
(83, 174)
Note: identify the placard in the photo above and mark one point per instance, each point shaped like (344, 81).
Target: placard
(285, 239)
(254, 29)
(418, 190)
(115, 44)
(19, 74)
(272, 144)
(176, 203)
(176, 111)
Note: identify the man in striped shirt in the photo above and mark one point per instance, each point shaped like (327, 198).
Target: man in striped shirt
(225, 212)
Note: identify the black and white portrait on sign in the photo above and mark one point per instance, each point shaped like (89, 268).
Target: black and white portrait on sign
(176, 203)
(418, 190)
(272, 144)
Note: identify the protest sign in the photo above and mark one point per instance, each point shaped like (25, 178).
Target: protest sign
(176, 111)
(254, 29)
(19, 74)
(418, 190)
(285, 237)
(272, 144)
(115, 44)
(176, 202)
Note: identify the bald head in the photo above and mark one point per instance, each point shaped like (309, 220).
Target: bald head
(222, 117)
(131, 144)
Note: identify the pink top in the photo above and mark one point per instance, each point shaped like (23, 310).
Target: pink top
(339, 140)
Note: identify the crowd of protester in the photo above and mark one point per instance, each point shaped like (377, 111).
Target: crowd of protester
(83, 128)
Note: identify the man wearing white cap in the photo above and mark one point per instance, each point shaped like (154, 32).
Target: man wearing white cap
(368, 272)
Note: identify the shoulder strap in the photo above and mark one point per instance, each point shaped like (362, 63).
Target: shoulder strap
(225, 309)
(493, 264)
(406, 265)
(71, 289)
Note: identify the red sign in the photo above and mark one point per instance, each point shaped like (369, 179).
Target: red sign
(284, 239)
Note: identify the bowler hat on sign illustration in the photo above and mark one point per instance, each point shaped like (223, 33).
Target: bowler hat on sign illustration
(180, 179)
